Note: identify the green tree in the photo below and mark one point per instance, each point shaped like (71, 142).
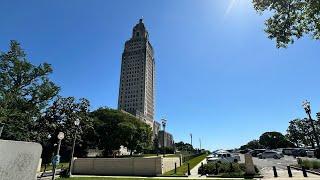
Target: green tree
(291, 19)
(181, 146)
(299, 132)
(254, 144)
(115, 128)
(274, 140)
(60, 117)
(25, 91)
(128, 135)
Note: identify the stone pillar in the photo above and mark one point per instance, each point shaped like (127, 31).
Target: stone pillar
(249, 164)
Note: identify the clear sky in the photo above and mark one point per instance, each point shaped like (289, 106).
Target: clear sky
(217, 74)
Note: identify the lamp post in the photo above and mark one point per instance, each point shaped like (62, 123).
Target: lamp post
(307, 108)
(191, 138)
(76, 123)
(57, 157)
(164, 123)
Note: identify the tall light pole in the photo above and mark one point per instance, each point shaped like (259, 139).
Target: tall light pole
(164, 123)
(307, 108)
(56, 159)
(191, 138)
(76, 123)
(200, 143)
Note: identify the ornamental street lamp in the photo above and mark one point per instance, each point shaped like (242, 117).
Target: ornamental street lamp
(76, 123)
(56, 158)
(307, 108)
(164, 123)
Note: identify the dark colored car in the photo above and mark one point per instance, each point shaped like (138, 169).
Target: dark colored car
(245, 151)
(299, 153)
(288, 151)
(255, 152)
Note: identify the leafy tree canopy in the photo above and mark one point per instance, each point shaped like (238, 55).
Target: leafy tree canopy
(115, 128)
(254, 144)
(291, 19)
(181, 146)
(274, 140)
(25, 91)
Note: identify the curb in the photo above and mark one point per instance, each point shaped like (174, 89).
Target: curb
(244, 177)
(309, 171)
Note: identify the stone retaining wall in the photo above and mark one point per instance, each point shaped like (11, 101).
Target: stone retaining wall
(123, 166)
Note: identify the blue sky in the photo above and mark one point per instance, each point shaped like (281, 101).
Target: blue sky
(217, 75)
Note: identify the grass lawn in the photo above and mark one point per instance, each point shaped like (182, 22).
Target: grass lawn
(184, 168)
(49, 167)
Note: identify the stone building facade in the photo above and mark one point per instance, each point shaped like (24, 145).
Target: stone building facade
(137, 79)
(167, 138)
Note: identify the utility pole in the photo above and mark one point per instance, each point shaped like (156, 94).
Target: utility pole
(191, 138)
(164, 123)
(200, 143)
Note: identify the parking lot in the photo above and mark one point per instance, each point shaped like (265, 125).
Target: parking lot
(265, 165)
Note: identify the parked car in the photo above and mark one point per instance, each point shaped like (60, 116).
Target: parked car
(310, 153)
(210, 156)
(270, 154)
(255, 152)
(224, 157)
(245, 151)
(299, 152)
(288, 151)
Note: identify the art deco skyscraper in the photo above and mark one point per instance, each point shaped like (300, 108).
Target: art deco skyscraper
(136, 91)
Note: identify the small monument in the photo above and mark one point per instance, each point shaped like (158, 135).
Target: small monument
(19, 160)
(249, 164)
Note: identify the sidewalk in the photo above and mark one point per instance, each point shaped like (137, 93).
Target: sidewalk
(194, 170)
(283, 174)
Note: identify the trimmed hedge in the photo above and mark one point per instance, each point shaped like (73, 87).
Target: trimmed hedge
(309, 164)
(224, 168)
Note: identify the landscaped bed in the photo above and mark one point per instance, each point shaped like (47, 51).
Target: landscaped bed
(182, 170)
(233, 170)
(313, 165)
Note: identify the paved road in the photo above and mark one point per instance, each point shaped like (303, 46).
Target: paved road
(265, 166)
(269, 162)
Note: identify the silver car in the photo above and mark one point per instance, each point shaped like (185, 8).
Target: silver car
(270, 154)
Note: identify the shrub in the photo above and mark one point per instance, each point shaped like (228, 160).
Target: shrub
(224, 168)
(309, 164)
(315, 164)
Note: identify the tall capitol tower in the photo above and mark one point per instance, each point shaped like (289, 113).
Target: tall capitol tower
(136, 91)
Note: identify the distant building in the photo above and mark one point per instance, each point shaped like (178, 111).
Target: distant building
(168, 139)
(156, 128)
(137, 79)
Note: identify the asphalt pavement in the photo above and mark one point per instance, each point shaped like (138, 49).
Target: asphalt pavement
(265, 166)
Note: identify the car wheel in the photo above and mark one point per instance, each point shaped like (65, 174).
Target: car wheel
(236, 161)
(275, 157)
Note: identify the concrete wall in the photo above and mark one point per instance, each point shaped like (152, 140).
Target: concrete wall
(123, 166)
(168, 164)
